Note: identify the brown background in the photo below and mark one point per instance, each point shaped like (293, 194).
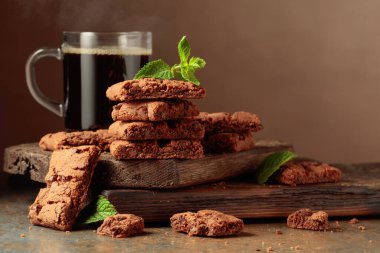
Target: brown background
(310, 69)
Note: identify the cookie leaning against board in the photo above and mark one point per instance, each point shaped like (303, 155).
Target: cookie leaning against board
(68, 182)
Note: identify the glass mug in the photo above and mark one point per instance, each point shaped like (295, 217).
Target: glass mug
(91, 63)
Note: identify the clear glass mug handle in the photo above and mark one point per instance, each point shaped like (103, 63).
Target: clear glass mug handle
(30, 72)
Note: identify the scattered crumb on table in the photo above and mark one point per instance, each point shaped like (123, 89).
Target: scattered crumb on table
(353, 221)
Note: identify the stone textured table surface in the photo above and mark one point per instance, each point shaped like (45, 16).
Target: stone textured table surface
(17, 235)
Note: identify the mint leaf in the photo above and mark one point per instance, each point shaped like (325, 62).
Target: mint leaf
(183, 50)
(272, 163)
(103, 209)
(176, 72)
(156, 69)
(197, 63)
(188, 74)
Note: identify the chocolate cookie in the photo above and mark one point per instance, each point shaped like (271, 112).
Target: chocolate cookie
(308, 172)
(61, 140)
(153, 149)
(223, 122)
(121, 226)
(206, 223)
(151, 88)
(228, 142)
(154, 110)
(307, 219)
(68, 180)
(146, 130)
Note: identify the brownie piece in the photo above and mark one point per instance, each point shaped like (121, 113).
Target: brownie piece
(206, 223)
(228, 142)
(151, 88)
(154, 110)
(157, 149)
(60, 140)
(68, 180)
(307, 219)
(223, 122)
(157, 130)
(307, 172)
(121, 226)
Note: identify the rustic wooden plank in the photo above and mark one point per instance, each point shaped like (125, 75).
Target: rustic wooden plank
(30, 160)
(358, 194)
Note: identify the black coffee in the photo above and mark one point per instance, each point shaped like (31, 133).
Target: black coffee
(87, 77)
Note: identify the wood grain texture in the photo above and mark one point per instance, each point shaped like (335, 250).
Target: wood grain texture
(358, 194)
(30, 160)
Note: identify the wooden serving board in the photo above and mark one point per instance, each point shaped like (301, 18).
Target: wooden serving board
(358, 194)
(30, 160)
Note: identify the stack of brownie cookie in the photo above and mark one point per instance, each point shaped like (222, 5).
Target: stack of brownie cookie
(154, 121)
(227, 133)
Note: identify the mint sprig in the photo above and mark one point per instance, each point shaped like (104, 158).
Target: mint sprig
(185, 70)
(272, 163)
(157, 69)
(103, 209)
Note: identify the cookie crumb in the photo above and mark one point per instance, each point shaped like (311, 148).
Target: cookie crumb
(291, 247)
(67, 232)
(297, 247)
(206, 223)
(370, 241)
(307, 219)
(278, 232)
(121, 226)
(22, 235)
(337, 223)
(362, 228)
(30, 227)
(353, 221)
(269, 249)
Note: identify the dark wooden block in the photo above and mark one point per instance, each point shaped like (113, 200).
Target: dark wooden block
(358, 194)
(30, 160)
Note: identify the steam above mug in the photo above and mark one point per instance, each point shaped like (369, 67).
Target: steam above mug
(91, 63)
